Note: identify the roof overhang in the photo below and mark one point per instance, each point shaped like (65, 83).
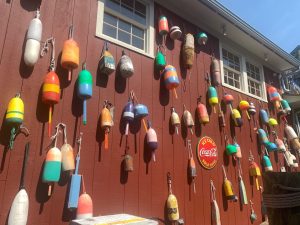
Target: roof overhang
(210, 15)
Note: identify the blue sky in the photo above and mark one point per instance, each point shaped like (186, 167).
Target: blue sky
(277, 20)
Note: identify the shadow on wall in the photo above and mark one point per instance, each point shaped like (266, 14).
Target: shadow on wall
(30, 5)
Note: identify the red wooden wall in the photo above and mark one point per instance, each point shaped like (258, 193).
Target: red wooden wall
(144, 191)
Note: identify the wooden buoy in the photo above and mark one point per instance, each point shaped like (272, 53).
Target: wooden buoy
(67, 152)
(175, 120)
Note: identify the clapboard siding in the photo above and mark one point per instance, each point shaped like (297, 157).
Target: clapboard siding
(144, 191)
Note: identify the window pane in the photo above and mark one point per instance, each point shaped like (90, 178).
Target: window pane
(254, 88)
(127, 3)
(127, 11)
(137, 42)
(140, 18)
(231, 60)
(125, 26)
(109, 30)
(110, 19)
(231, 78)
(137, 32)
(113, 4)
(253, 71)
(123, 36)
(140, 7)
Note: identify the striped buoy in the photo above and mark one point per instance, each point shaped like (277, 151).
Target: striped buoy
(171, 79)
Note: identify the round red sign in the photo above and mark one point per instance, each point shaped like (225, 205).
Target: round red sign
(207, 152)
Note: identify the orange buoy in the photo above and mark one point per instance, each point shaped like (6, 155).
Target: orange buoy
(85, 204)
(51, 85)
(106, 121)
(70, 54)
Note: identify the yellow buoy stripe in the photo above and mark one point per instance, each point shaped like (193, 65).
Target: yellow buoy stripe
(14, 114)
(123, 221)
(51, 88)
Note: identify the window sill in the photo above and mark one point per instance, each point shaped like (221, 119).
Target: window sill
(245, 93)
(124, 45)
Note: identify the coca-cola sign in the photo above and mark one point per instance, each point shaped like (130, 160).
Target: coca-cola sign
(207, 152)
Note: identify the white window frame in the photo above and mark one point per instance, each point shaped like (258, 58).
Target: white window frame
(149, 27)
(244, 78)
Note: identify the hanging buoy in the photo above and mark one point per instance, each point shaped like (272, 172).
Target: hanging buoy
(221, 118)
(252, 112)
(18, 213)
(175, 33)
(171, 79)
(254, 170)
(128, 161)
(229, 194)
(175, 120)
(228, 99)
(267, 163)
(188, 119)
(285, 106)
(75, 181)
(70, 54)
(295, 145)
(279, 143)
(201, 38)
(152, 140)
(263, 138)
(125, 66)
(192, 172)
(33, 41)
(290, 132)
(238, 154)
(85, 89)
(264, 117)
(67, 152)
(244, 106)
(213, 97)
(14, 117)
(128, 114)
(85, 205)
(242, 188)
(215, 211)
(188, 51)
(236, 117)
(202, 112)
(231, 149)
(51, 85)
(52, 166)
(273, 122)
(160, 60)
(140, 112)
(172, 204)
(107, 62)
(106, 121)
(271, 147)
(253, 216)
(274, 96)
(163, 28)
(216, 73)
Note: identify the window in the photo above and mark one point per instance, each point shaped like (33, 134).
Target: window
(242, 74)
(128, 23)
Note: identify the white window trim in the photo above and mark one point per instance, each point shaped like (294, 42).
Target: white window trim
(244, 81)
(149, 47)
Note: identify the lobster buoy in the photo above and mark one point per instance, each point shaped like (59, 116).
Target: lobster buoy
(228, 190)
(255, 172)
(215, 211)
(273, 122)
(52, 167)
(188, 51)
(14, 117)
(188, 120)
(213, 97)
(172, 204)
(263, 138)
(33, 41)
(125, 66)
(128, 115)
(128, 162)
(152, 140)
(290, 132)
(216, 72)
(231, 149)
(238, 153)
(175, 120)
(280, 145)
(285, 105)
(244, 106)
(171, 79)
(107, 62)
(160, 61)
(175, 33)
(85, 89)
(202, 112)
(267, 163)
(236, 117)
(201, 38)
(192, 172)
(228, 99)
(271, 147)
(140, 112)
(51, 94)
(295, 144)
(106, 122)
(67, 153)
(274, 96)
(163, 26)
(221, 118)
(251, 110)
(70, 54)
(85, 205)
(264, 117)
